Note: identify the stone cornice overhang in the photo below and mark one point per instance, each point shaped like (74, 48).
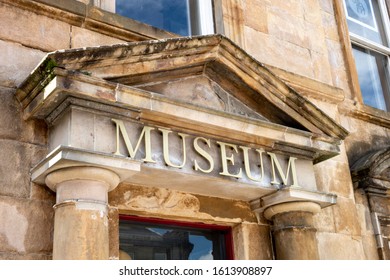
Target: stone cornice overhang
(101, 69)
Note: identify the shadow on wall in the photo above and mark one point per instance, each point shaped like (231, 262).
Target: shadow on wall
(358, 149)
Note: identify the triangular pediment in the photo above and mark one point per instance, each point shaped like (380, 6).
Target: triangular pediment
(208, 71)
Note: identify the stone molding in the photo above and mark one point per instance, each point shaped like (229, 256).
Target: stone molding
(68, 157)
(216, 53)
(371, 172)
(292, 199)
(92, 18)
(297, 206)
(88, 173)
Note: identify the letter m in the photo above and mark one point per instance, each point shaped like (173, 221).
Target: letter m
(145, 133)
(282, 175)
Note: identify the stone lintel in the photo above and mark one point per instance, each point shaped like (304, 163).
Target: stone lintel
(66, 157)
(288, 195)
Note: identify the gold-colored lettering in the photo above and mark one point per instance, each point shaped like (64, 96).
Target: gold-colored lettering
(165, 133)
(145, 133)
(284, 177)
(247, 164)
(226, 160)
(204, 154)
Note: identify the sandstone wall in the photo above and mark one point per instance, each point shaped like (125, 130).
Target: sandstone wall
(296, 36)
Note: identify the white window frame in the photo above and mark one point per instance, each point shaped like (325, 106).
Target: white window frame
(373, 46)
(203, 13)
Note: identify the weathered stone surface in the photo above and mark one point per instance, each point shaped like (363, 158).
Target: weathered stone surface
(252, 242)
(329, 25)
(15, 170)
(43, 33)
(113, 233)
(336, 179)
(295, 58)
(287, 26)
(364, 219)
(324, 220)
(321, 69)
(81, 231)
(25, 226)
(13, 126)
(43, 193)
(380, 205)
(312, 11)
(363, 135)
(327, 6)
(336, 62)
(174, 204)
(255, 15)
(333, 246)
(17, 62)
(227, 208)
(370, 247)
(346, 217)
(17, 256)
(81, 38)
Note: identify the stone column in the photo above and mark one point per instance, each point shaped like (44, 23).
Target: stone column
(293, 232)
(291, 210)
(81, 212)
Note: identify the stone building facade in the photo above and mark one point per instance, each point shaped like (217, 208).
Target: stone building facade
(116, 135)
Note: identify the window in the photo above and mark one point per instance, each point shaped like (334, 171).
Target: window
(183, 17)
(368, 24)
(155, 239)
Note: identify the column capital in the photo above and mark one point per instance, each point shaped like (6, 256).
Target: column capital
(292, 199)
(88, 173)
(298, 206)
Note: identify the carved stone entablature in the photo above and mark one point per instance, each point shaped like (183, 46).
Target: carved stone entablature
(372, 172)
(197, 115)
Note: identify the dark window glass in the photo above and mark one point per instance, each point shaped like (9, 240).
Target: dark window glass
(372, 70)
(151, 241)
(170, 15)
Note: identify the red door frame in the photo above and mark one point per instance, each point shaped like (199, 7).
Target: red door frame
(185, 224)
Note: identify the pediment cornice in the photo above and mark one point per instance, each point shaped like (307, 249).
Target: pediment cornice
(114, 73)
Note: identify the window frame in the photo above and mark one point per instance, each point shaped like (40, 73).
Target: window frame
(364, 43)
(228, 235)
(201, 15)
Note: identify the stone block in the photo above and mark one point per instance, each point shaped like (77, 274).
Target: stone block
(346, 217)
(12, 124)
(255, 15)
(15, 170)
(33, 30)
(364, 219)
(312, 11)
(316, 35)
(321, 69)
(333, 176)
(17, 62)
(324, 220)
(17, 256)
(327, 6)
(279, 53)
(81, 38)
(370, 247)
(43, 193)
(26, 226)
(287, 27)
(291, 7)
(252, 242)
(333, 246)
(329, 25)
(113, 233)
